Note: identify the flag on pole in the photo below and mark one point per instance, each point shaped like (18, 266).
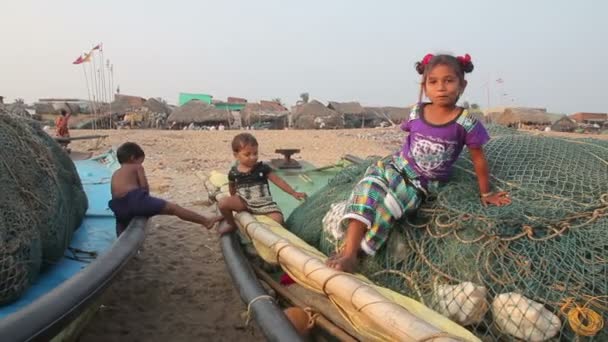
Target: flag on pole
(500, 80)
(78, 60)
(87, 58)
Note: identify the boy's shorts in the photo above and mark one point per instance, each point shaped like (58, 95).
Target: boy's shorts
(137, 202)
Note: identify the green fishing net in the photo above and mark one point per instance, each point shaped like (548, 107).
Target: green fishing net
(535, 270)
(41, 205)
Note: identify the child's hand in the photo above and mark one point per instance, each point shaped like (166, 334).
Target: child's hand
(300, 195)
(497, 198)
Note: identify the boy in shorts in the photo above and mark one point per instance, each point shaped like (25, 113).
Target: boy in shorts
(131, 193)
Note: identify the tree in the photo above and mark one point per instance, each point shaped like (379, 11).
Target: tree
(465, 105)
(277, 100)
(475, 106)
(305, 97)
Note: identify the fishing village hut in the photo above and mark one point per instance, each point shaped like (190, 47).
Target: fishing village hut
(199, 113)
(55, 105)
(125, 103)
(157, 106)
(266, 114)
(526, 118)
(564, 124)
(314, 115)
(354, 114)
(392, 115)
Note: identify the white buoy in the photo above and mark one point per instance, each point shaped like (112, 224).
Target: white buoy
(464, 303)
(524, 318)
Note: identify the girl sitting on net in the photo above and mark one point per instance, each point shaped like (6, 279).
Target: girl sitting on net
(398, 184)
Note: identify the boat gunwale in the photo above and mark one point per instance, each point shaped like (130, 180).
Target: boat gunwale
(44, 318)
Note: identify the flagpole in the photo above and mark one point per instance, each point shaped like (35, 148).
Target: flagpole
(86, 80)
(96, 82)
(103, 74)
(488, 90)
(95, 90)
(111, 98)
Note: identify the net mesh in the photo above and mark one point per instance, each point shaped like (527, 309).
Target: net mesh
(42, 203)
(535, 270)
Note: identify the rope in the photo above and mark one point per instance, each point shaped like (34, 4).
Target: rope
(582, 320)
(250, 304)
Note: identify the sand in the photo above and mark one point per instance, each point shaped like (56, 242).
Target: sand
(177, 288)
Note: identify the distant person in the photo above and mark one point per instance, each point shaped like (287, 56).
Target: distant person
(248, 185)
(131, 193)
(221, 127)
(398, 184)
(61, 127)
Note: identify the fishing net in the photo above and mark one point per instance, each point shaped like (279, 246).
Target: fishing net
(42, 203)
(535, 270)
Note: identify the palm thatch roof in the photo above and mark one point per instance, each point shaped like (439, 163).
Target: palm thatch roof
(394, 114)
(527, 116)
(196, 111)
(349, 108)
(564, 124)
(156, 106)
(263, 111)
(125, 103)
(44, 108)
(314, 115)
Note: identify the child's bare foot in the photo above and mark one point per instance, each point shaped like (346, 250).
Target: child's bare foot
(344, 263)
(210, 222)
(225, 227)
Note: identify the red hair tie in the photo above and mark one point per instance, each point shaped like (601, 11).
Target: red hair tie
(427, 59)
(464, 60)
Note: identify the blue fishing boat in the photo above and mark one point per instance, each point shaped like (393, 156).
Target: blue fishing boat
(65, 296)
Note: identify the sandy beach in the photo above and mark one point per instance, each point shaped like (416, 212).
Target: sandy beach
(177, 288)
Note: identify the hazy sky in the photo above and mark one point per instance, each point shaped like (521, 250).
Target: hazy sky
(552, 54)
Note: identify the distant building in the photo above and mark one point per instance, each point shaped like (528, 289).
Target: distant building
(590, 118)
(232, 99)
(185, 97)
(55, 105)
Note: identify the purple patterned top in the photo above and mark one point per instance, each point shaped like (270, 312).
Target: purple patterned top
(431, 150)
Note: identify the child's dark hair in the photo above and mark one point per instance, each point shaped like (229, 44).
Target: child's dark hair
(129, 151)
(461, 65)
(64, 112)
(243, 139)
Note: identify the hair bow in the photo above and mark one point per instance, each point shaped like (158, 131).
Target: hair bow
(464, 60)
(427, 59)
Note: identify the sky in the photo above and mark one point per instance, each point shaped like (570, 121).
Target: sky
(551, 54)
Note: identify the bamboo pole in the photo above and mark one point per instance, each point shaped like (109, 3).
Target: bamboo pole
(345, 289)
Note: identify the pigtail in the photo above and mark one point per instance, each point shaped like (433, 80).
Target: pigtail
(466, 64)
(419, 68)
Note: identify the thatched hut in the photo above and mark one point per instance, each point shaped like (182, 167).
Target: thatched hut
(124, 103)
(564, 124)
(354, 114)
(392, 115)
(522, 117)
(266, 114)
(314, 115)
(199, 112)
(157, 106)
